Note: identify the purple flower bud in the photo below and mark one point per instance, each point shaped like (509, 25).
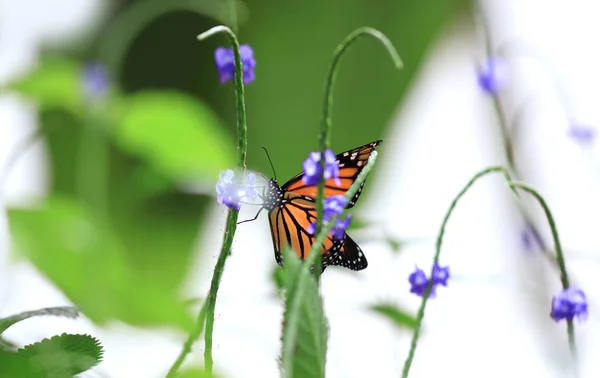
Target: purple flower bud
(568, 304)
(225, 61)
(492, 76)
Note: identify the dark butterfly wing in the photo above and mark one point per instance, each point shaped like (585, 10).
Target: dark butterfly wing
(289, 225)
(351, 163)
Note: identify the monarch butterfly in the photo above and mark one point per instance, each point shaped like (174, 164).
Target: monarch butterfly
(292, 209)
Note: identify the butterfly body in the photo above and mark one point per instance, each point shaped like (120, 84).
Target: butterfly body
(292, 208)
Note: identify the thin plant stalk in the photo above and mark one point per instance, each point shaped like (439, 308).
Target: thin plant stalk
(232, 217)
(326, 124)
(438, 249)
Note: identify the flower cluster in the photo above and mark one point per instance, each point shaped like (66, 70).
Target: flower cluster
(230, 194)
(333, 206)
(313, 171)
(226, 63)
(568, 304)
(418, 280)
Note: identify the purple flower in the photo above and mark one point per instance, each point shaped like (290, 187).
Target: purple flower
(568, 304)
(95, 81)
(312, 168)
(339, 230)
(230, 194)
(492, 76)
(440, 275)
(226, 63)
(582, 133)
(418, 280)
(334, 205)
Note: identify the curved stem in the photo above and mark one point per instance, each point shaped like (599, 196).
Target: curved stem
(290, 331)
(438, 248)
(208, 310)
(560, 259)
(325, 133)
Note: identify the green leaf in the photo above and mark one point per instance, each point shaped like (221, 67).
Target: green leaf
(179, 135)
(55, 82)
(16, 365)
(396, 315)
(69, 312)
(85, 259)
(310, 346)
(64, 356)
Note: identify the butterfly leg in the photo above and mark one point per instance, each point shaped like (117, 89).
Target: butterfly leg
(253, 219)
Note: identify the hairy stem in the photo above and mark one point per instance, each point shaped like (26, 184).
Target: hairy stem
(232, 217)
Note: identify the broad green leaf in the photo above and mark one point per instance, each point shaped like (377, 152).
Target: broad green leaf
(397, 316)
(176, 133)
(56, 82)
(83, 258)
(16, 365)
(63, 356)
(310, 345)
(69, 312)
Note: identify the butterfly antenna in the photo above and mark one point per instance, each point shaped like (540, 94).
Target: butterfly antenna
(270, 162)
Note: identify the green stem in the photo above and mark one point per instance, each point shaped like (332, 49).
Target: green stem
(325, 133)
(187, 346)
(233, 215)
(438, 248)
(560, 259)
(297, 293)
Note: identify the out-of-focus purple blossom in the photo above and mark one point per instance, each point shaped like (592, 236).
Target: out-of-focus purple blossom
(492, 76)
(95, 81)
(224, 58)
(230, 194)
(313, 172)
(530, 238)
(582, 133)
(568, 304)
(418, 280)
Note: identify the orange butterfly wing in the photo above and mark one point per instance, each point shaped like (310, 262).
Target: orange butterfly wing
(351, 163)
(292, 210)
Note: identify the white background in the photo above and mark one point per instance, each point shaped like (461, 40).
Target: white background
(491, 321)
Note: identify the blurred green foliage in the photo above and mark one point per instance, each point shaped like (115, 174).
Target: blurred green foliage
(118, 230)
